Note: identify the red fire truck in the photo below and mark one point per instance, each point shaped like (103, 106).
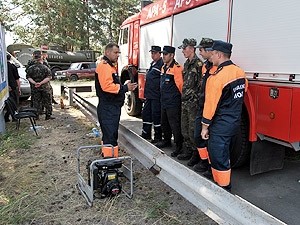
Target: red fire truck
(266, 39)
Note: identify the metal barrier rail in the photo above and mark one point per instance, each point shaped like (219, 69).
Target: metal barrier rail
(215, 202)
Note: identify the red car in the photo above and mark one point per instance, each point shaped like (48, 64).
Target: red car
(79, 70)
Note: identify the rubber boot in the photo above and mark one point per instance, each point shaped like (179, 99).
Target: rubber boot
(195, 159)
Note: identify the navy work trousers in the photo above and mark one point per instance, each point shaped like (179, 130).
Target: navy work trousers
(152, 115)
(109, 118)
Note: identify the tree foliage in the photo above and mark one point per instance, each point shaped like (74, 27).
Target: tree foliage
(72, 24)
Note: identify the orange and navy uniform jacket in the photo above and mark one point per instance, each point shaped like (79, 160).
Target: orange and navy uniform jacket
(224, 95)
(107, 84)
(171, 82)
(207, 70)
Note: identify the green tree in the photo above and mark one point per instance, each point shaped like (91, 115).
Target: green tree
(72, 24)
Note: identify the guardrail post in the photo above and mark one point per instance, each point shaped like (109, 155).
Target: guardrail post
(70, 92)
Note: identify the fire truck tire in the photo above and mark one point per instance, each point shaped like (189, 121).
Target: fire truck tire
(133, 105)
(240, 150)
(73, 77)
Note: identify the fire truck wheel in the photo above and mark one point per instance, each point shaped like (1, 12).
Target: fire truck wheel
(240, 150)
(133, 105)
(73, 77)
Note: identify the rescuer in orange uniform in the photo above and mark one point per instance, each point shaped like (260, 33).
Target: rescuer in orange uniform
(224, 96)
(207, 69)
(111, 94)
(171, 83)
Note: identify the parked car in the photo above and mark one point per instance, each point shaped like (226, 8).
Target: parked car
(24, 83)
(76, 71)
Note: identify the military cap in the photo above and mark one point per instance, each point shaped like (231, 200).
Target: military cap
(205, 43)
(155, 48)
(37, 54)
(168, 49)
(188, 42)
(221, 46)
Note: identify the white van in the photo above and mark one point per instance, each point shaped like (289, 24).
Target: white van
(24, 83)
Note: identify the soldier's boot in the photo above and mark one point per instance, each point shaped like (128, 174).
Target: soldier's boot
(49, 117)
(178, 150)
(157, 134)
(201, 166)
(54, 102)
(195, 159)
(186, 155)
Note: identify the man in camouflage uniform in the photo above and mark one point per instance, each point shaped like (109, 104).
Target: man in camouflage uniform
(45, 62)
(190, 95)
(39, 77)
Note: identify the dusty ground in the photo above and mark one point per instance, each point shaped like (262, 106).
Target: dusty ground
(38, 177)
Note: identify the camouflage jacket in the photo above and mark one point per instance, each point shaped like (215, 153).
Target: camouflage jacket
(38, 72)
(32, 62)
(192, 80)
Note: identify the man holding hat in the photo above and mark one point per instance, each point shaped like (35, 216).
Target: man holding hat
(171, 83)
(192, 80)
(222, 111)
(152, 107)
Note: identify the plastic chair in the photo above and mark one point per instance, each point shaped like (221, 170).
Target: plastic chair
(18, 115)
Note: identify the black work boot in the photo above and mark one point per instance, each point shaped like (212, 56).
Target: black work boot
(157, 134)
(201, 166)
(155, 140)
(54, 102)
(195, 159)
(49, 117)
(163, 144)
(186, 155)
(227, 188)
(177, 151)
(146, 137)
(208, 173)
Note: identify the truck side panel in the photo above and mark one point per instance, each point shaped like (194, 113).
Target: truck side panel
(265, 36)
(156, 33)
(206, 21)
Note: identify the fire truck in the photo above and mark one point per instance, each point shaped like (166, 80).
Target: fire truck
(265, 37)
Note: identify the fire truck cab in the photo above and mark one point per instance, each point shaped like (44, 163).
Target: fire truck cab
(265, 38)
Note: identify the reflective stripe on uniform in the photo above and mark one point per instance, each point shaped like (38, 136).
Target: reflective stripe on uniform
(221, 177)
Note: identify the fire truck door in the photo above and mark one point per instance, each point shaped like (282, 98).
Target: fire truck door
(123, 44)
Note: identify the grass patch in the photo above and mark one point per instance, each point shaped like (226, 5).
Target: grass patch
(15, 210)
(16, 140)
(157, 210)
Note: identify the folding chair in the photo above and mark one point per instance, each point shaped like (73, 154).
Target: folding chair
(18, 115)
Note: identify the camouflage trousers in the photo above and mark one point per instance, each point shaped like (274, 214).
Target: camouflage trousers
(42, 98)
(188, 116)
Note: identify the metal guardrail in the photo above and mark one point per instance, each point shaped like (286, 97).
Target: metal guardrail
(215, 202)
